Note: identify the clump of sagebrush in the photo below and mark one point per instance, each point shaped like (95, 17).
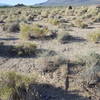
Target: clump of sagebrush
(97, 18)
(39, 30)
(54, 21)
(28, 31)
(79, 23)
(69, 12)
(25, 31)
(11, 27)
(50, 63)
(23, 49)
(88, 59)
(10, 81)
(91, 73)
(94, 36)
(45, 14)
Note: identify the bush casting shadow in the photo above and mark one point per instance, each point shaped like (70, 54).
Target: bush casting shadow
(70, 39)
(50, 37)
(5, 51)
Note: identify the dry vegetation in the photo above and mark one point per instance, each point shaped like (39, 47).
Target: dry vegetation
(61, 45)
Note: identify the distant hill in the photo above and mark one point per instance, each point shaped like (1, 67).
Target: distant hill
(69, 2)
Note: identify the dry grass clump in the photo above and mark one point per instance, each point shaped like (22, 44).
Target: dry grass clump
(91, 74)
(94, 36)
(89, 59)
(49, 63)
(24, 49)
(28, 31)
(54, 21)
(45, 14)
(79, 23)
(64, 37)
(10, 81)
(11, 27)
(97, 18)
(25, 31)
(69, 12)
(39, 31)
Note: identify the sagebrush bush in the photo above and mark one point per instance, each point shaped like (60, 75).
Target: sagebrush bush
(39, 31)
(49, 63)
(97, 18)
(25, 31)
(54, 21)
(91, 74)
(24, 49)
(11, 27)
(89, 59)
(80, 24)
(29, 31)
(64, 37)
(94, 36)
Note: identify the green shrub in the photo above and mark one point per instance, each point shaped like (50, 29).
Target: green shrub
(94, 36)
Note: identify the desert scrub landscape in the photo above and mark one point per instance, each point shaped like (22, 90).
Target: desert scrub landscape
(50, 53)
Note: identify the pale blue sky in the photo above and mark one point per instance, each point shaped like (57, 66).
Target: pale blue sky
(27, 2)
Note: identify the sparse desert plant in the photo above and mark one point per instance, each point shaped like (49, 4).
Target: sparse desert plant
(94, 36)
(29, 31)
(69, 12)
(11, 27)
(89, 59)
(64, 37)
(49, 63)
(54, 21)
(25, 31)
(45, 14)
(91, 74)
(30, 17)
(97, 18)
(39, 30)
(10, 81)
(24, 49)
(80, 24)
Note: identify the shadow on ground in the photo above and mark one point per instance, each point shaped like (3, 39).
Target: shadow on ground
(70, 39)
(49, 92)
(8, 39)
(5, 51)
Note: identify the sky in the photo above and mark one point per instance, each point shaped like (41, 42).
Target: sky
(27, 2)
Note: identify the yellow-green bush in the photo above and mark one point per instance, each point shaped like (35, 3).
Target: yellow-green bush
(9, 81)
(54, 21)
(28, 31)
(94, 36)
(25, 31)
(39, 31)
(79, 23)
(97, 18)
